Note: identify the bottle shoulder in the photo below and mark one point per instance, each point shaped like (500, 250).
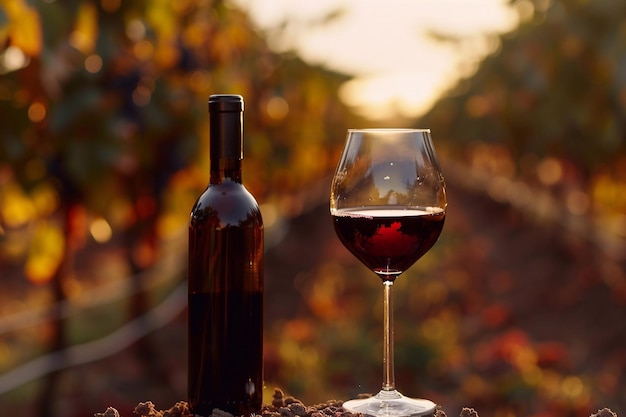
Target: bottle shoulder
(228, 203)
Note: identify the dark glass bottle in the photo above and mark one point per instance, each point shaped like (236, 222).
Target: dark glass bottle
(225, 331)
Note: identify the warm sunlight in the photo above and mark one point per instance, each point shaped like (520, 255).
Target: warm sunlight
(399, 67)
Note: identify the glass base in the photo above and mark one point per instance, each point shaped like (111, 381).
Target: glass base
(391, 404)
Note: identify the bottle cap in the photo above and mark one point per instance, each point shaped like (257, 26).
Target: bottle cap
(225, 103)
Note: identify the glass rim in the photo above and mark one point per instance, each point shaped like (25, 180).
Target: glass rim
(390, 130)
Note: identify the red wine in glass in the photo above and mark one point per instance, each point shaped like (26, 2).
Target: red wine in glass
(387, 240)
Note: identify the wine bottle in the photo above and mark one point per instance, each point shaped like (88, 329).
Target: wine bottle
(225, 326)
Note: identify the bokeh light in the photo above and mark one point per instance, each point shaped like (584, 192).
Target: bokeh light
(100, 230)
(93, 63)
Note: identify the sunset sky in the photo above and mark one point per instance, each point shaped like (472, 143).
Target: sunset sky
(386, 45)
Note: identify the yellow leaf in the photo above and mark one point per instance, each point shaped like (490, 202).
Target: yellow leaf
(45, 199)
(45, 253)
(16, 209)
(85, 31)
(24, 29)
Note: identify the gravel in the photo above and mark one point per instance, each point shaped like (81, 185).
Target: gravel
(283, 406)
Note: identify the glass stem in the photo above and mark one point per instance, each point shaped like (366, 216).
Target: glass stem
(389, 383)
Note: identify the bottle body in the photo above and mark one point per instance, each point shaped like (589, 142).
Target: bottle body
(225, 327)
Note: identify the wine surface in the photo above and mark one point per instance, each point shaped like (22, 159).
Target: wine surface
(386, 240)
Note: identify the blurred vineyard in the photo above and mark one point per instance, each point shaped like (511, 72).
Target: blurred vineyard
(518, 310)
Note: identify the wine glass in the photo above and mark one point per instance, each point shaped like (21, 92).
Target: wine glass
(388, 205)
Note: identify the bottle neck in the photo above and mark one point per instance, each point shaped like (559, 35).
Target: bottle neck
(226, 140)
(225, 169)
